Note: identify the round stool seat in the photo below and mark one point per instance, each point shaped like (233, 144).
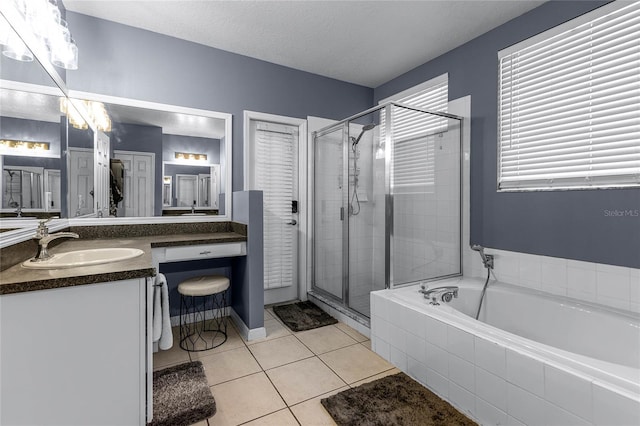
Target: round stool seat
(203, 285)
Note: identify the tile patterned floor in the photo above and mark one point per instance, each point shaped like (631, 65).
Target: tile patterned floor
(280, 380)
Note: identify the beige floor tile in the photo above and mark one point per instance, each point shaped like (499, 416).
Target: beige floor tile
(366, 344)
(277, 352)
(229, 365)
(268, 315)
(375, 377)
(234, 341)
(173, 356)
(244, 399)
(279, 418)
(304, 379)
(355, 363)
(312, 413)
(352, 332)
(325, 339)
(274, 330)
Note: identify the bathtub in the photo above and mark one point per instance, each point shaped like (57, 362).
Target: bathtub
(531, 358)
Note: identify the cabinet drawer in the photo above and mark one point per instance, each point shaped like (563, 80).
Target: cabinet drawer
(205, 251)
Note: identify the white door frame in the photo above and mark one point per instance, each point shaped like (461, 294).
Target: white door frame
(303, 223)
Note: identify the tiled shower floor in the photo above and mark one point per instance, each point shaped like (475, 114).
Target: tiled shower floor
(280, 380)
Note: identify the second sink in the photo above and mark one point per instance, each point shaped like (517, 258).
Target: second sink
(87, 257)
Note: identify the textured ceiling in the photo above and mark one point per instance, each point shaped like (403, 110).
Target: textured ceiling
(362, 42)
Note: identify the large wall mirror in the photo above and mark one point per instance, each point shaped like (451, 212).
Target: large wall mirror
(96, 159)
(162, 160)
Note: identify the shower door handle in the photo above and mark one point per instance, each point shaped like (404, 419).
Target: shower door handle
(293, 222)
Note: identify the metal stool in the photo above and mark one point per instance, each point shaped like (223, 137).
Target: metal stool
(197, 296)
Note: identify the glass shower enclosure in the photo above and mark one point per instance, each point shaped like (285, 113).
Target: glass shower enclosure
(386, 203)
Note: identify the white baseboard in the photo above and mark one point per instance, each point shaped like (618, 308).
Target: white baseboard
(249, 334)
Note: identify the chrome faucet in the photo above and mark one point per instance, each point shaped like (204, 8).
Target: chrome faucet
(44, 238)
(446, 293)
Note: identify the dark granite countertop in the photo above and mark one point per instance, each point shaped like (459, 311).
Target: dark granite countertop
(17, 279)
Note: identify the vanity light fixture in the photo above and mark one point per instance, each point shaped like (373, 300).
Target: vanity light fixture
(96, 110)
(43, 19)
(9, 145)
(190, 156)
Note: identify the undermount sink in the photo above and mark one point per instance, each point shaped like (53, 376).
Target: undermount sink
(72, 259)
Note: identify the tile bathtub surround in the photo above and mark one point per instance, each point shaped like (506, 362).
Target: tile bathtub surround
(281, 379)
(614, 286)
(490, 382)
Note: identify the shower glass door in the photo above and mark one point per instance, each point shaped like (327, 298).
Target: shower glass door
(328, 212)
(386, 203)
(365, 206)
(425, 193)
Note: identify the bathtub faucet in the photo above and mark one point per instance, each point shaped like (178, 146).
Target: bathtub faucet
(446, 293)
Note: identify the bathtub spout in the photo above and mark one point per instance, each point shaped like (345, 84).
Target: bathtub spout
(446, 293)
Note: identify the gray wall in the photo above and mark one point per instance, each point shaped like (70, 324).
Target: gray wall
(248, 285)
(124, 61)
(571, 224)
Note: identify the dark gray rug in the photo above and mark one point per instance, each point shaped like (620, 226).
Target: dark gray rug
(303, 316)
(181, 396)
(392, 400)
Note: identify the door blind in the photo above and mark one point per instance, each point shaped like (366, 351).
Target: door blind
(413, 155)
(569, 105)
(275, 177)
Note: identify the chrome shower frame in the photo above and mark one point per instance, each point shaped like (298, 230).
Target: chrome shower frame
(343, 302)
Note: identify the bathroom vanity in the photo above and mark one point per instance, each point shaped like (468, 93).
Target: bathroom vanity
(76, 343)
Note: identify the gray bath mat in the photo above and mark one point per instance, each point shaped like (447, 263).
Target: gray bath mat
(392, 400)
(303, 316)
(181, 396)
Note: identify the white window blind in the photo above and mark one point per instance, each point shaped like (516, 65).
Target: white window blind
(569, 104)
(413, 153)
(275, 177)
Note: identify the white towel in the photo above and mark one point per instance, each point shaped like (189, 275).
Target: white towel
(166, 339)
(157, 308)
(162, 332)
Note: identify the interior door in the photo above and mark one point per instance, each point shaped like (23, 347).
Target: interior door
(138, 183)
(187, 190)
(80, 181)
(274, 170)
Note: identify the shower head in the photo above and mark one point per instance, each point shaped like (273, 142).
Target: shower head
(487, 259)
(366, 128)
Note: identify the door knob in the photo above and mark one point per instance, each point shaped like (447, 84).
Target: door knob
(293, 222)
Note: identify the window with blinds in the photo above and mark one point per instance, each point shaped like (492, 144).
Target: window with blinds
(569, 104)
(413, 152)
(274, 175)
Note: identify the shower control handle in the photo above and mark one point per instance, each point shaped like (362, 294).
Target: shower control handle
(293, 222)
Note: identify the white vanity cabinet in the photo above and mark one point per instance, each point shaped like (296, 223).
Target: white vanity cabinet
(74, 355)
